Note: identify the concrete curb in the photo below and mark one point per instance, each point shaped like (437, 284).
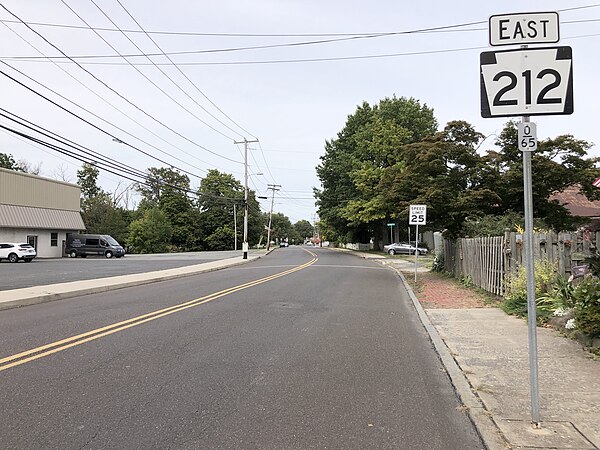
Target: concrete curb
(42, 294)
(480, 417)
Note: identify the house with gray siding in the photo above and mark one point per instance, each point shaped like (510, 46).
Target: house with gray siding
(38, 210)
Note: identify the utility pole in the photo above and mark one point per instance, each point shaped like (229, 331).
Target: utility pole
(245, 243)
(272, 187)
(234, 227)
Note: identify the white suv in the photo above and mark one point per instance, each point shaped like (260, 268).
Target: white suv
(14, 252)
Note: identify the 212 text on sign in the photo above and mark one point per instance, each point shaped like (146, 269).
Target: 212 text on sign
(527, 82)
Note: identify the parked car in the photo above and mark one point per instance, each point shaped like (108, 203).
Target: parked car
(283, 244)
(404, 248)
(15, 252)
(93, 244)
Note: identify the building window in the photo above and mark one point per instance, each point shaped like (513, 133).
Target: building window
(32, 240)
(53, 239)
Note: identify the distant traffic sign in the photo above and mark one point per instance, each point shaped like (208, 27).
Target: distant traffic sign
(527, 82)
(524, 28)
(417, 215)
(391, 224)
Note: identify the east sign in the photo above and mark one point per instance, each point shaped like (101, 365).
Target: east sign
(524, 28)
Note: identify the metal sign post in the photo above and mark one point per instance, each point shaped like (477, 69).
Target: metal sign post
(417, 216)
(391, 225)
(527, 82)
(416, 251)
(530, 270)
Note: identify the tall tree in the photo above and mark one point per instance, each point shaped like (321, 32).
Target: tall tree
(217, 195)
(558, 163)
(350, 202)
(99, 212)
(151, 233)
(281, 227)
(169, 190)
(8, 162)
(304, 229)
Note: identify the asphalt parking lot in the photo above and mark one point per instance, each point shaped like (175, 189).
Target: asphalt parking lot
(42, 272)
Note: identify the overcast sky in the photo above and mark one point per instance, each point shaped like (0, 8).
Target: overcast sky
(291, 107)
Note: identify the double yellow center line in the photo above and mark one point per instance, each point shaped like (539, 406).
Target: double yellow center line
(58, 346)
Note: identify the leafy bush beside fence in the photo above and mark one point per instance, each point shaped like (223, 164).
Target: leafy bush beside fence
(577, 303)
(573, 305)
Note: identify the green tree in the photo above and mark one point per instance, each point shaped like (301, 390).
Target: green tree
(557, 164)
(303, 229)
(220, 239)
(351, 203)
(281, 227)
(217, 195)
(99, 212)
(8, 162)
(151, 233)
(87, 179)
(442, 172)
(169, 190)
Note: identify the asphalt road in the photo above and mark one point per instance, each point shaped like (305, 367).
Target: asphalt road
(41, 272)
(289, 351)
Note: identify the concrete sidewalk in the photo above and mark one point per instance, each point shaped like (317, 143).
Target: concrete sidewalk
(485, 354)
(40, 294)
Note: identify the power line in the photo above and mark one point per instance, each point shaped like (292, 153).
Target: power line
(305, 60)
(69, 143)
(110, 104)
(111, 166)
(93, 125)
(186, 77)
(194, 33)
(116, 92)
(102, 119)
(336, 37)
(260, 47)
(144, 75)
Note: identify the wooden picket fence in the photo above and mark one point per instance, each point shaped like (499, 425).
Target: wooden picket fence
(487, 262)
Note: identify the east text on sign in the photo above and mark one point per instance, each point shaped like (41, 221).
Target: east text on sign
(524, 28)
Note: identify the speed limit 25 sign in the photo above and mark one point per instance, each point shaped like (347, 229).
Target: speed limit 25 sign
(417, 215)
(527, 82)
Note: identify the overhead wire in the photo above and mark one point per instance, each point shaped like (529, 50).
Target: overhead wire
(259, 47)
(146, 77)
(186, 77)
(346, 37)
(195, 33)
(84, 152)
(107, 164)
(95, 126)
(104, 100)
(116, 92)
(288, 61)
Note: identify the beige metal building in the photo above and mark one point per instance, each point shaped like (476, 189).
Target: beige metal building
(38, 210)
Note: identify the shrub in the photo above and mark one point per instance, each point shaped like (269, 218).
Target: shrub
(593, 261)
(587, 306)
(515, 300)
(438, 263)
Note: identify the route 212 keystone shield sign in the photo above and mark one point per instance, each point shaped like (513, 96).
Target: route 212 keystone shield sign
(527, 82)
